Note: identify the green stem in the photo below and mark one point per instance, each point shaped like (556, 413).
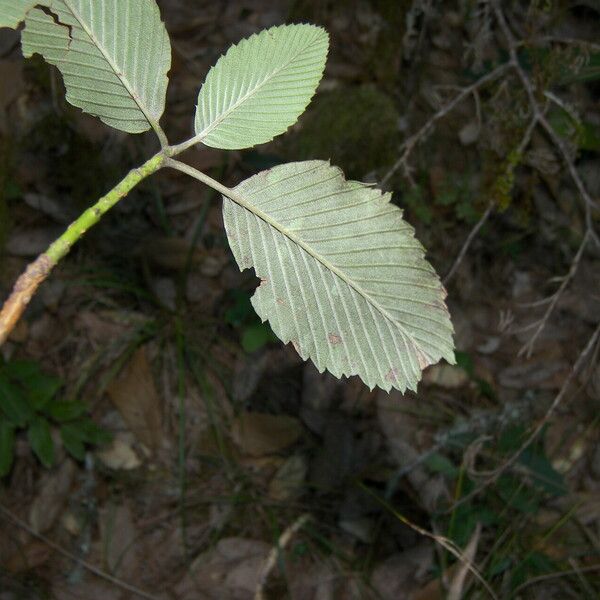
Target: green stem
(36, 273)
(93, 214)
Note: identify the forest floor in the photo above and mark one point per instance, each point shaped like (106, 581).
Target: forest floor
(236, 471)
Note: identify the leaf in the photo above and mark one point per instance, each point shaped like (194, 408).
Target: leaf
(259, 434)
(255, 337)
(72, 442)
(13, 404)
(42, 389)
(86, 431)
(66, 410)
(38, 388)
(343, 277)
(261, 86)
(40, 438)
(22, 369)
(438, 463)
(12, 12)
(113, 55)
(7, 444)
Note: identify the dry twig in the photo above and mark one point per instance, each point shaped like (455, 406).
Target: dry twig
(282, 542)
(12, 518)
(492, 476)
(539, 117)
(409, 145)
(463, 251)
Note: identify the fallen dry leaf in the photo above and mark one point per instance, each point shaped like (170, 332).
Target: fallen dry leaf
(134, 395)
(119, 537)
(258, 434)
(397, 576)
(288, 481)
(54, 490)
(88, 590)
(446, 376)
(119, 455)
(230, 571)
(28, 557)
(399, 422)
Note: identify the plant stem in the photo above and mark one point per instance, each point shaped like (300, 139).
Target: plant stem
(39, 269)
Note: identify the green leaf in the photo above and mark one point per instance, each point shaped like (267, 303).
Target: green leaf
(22, 370)
(41, 390)
(113, 55)
(38, 387)
(516, 495)
(76, 434)
(12, 12)
(261, 86)
(343, 277)
(86, 431)
(255, 337)
(7, 445)
(40, 438)
(13, 404)
(543, 473)
(72, 442)
(438, 463)
(66, 410)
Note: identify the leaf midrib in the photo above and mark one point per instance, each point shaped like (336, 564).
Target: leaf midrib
(239, 199)
(121, 76)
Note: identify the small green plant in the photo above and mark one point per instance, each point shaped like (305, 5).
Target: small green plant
(30, 402)
(513, 502)
(342, 276)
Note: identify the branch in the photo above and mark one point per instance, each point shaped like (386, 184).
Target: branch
(539, 326)
(468, 242)
(540, 117)
(37, 272)
(443, 541)
(9, 516)
(484, 217)
(275, 553)
(417, 137)
(589, 204)
(492, 476)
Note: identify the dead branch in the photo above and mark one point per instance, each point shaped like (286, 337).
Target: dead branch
(22, 292)
(468, 242)
(552, 300)
(492, 476)
(282, 542)
(12, 518)
(539, 117)
(409, 145)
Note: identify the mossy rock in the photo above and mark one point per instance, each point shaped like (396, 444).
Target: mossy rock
(355, 127)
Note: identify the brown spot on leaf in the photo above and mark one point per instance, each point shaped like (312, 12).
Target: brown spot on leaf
(334, 339)
(422, 358)
(263, 281)
(280, 301)
(392, 375)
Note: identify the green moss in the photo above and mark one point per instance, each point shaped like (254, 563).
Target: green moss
(504, 183)
(355, 127)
